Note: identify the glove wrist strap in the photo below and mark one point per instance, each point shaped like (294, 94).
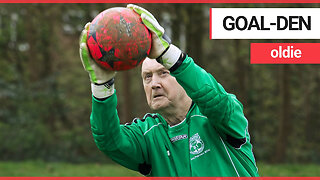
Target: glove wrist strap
(170, 56)
(104, 90)
(178, 63)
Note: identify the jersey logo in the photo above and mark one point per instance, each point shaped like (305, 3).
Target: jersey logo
(196, 144)
(177, 138)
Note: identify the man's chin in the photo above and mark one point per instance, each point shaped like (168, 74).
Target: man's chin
(158, 106)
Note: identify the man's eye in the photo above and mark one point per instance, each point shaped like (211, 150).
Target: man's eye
(147, 76)
(164, 72)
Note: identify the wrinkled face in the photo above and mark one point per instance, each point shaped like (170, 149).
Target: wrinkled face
(162, 90)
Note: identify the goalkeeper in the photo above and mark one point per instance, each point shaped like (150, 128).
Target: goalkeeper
(198, 128)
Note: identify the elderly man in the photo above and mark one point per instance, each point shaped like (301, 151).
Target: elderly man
(198, 128)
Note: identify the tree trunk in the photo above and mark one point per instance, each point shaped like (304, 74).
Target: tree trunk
(284, 124)
(194, 33)
(127, 103)
(241, 74)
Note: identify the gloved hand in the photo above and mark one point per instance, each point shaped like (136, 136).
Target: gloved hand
(161, 47)
(101, 79)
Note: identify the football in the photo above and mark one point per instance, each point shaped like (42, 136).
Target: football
(118, 40)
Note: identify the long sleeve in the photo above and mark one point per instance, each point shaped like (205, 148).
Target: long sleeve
(124, 144)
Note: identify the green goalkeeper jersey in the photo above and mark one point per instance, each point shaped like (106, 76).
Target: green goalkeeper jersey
(213, 140)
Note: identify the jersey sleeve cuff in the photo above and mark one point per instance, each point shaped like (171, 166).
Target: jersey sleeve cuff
(170, 57)
(102, 91)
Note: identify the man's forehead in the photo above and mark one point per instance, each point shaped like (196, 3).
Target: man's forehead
(151, 65)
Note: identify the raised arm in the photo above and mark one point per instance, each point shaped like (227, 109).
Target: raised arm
(124, 144)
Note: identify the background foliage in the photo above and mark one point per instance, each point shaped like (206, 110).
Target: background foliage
(46, 100)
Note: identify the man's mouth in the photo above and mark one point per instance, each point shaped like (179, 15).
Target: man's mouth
(156, 96)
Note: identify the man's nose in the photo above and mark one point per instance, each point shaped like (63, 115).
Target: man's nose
(156, 82)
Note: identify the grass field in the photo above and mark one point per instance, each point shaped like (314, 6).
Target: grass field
(40, 168)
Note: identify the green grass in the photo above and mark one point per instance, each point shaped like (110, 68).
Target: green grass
(40, 168)
(291, 170)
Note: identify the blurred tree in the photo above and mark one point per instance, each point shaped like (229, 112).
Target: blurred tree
(194, 30)
(127, 97)
(285, 114)
(241, 72)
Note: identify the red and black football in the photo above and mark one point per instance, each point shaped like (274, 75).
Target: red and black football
(118, 40)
